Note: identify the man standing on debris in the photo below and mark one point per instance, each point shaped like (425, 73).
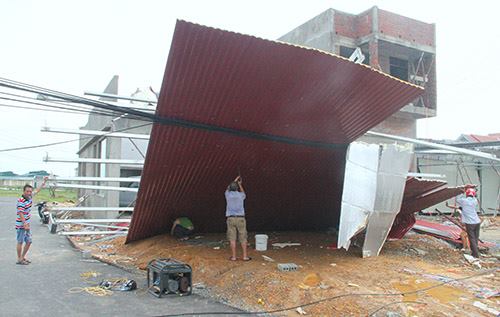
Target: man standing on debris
(23, 220)
(235, 213)
(468, 204)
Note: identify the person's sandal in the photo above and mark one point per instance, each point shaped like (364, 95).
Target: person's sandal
(27, 261)
(232, 259)
(22, 262)
(247, 258)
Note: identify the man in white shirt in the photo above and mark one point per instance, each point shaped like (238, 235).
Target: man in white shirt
(468, 204)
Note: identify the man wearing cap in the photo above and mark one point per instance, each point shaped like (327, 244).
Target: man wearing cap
(468, 203)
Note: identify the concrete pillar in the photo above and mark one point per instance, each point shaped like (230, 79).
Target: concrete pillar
(373, 44)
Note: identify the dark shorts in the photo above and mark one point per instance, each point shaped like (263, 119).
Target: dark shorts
(23, 236)
(181, 232)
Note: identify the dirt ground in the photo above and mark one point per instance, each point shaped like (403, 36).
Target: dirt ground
(415, 262)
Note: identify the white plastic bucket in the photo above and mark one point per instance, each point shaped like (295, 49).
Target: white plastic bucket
(261, 242)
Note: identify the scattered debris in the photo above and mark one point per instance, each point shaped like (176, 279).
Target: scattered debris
(392, 314)
(199, 286)
(485, 307)
(268, 259)
(283, 245)
(287, 267)
(472, 260)
(89, 274)
(418, 251)
(300, 311)
(216, 248)
(242, 285)
(487, 293)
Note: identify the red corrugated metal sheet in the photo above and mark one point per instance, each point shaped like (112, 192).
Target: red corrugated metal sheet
(446, 232)
(419, 194)
(259, 88)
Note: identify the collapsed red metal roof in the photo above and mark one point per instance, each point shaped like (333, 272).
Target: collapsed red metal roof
(279, 114)
(419, 194)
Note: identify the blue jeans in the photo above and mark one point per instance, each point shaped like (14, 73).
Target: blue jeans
(23, 235)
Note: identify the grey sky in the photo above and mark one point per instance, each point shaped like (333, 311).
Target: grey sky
(74, 46)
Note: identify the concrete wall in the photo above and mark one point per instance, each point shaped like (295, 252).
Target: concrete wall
(317, 32)
(381, 34)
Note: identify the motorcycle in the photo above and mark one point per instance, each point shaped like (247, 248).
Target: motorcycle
(42, 212)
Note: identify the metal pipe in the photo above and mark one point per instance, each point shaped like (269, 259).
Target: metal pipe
(86, 233)
(80, 186)
(97, 133)
(91, 208)
(96, 179)
(99, 225)
(426, 175)
(92, 220)
(436, 146)
(94, 160)
(112, 96)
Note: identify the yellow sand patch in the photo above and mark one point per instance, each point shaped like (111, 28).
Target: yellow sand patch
(444, 294)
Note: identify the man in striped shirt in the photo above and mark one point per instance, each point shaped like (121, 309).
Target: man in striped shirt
(23, 221)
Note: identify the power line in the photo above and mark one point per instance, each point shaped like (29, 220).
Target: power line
(40, 109)
(59, 105)
(135, 114)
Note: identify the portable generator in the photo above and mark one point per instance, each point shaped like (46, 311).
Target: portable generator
(169, 276)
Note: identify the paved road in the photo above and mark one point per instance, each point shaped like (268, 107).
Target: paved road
(41, 288)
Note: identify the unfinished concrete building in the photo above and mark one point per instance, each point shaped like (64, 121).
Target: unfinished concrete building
(402, 47)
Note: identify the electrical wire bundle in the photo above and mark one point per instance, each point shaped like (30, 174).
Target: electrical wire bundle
(54, 101)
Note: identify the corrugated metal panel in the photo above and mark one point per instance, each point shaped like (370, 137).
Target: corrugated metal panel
(419, 194)
(224, 79)
(430, 199)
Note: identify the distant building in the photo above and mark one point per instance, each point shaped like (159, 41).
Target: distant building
(461, 169)
(112, 148)
(402, 47)
(8, 174)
